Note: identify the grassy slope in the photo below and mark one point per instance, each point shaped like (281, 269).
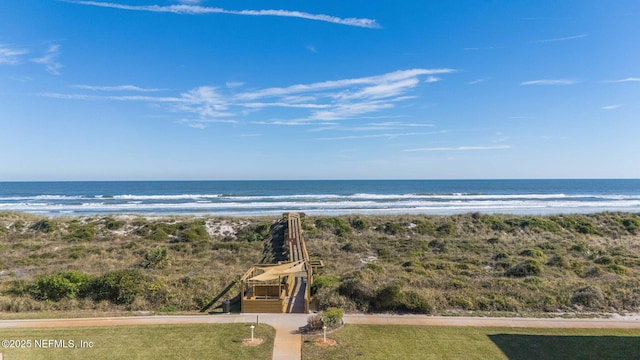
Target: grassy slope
(413, 342)
(220, 341)
(438, 264)
(477, 262)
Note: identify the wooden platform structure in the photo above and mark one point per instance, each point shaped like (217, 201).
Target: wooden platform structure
(283, 287)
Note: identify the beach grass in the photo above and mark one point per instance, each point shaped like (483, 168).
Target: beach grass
(555, 265)
(425, 342)
(219, 341)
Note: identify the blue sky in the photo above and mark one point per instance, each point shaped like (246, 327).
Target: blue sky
(158, 89)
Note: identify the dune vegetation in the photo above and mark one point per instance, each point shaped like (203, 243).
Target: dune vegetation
(470, 263)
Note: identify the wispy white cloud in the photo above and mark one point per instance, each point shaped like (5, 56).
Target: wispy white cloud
(399, 124)
(376, 136)
(285, 105)
(566, 38)
(199, 123)
(462, 148)
(11, 56)
(388, 79)
(549, 82)
(300, 104)
(190, 9)
(280, 122)
(381, 126)
(117, 88)
(477, 81)
(629, 79)
(312, 49)
(610, 107)
(139, 98)
(49, 59)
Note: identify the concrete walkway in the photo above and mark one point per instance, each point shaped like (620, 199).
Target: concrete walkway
(288, 342)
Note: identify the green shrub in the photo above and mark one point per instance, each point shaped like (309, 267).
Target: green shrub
(425, 227)
(78, 251)
(157, 293)
(113, 224)
(80, 233)
(336, 225)
(438, 246)
(156, 258)
(415, 303)
(19, 288)
(44, 225)
(375, 267)
(351, 247)
(159, 235)
(579, 247)
(454, 284)
(632, 225)
(192, 233)
(388, 298)
(393, 298)
(59, 286)
(526, 268)
(320, 282)
(392, 228)
(495, 223)
(383, 252)
(253, 233)
(541, 224)
(231, 246)
(360, 223)
(587, 228)
(578, 224)
(558, 260)
(332, 317)
(118, 287)
(604, 260)
(461, 302)
(546, 246)
(446, 229)
(589, 296)
(534, 253)
(619, 269)
(184, 248)
(356, 290)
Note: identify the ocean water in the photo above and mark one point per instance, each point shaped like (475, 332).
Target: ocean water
(323, 197)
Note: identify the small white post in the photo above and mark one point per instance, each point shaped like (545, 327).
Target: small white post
(324, 327)
(252, 327)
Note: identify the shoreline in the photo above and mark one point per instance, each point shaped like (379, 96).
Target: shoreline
(318, 213)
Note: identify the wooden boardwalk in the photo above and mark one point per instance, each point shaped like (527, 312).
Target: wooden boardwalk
(282, 287)
(299, 297)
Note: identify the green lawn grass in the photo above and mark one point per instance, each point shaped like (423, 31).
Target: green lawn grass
(219, 341)
(418, 342)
